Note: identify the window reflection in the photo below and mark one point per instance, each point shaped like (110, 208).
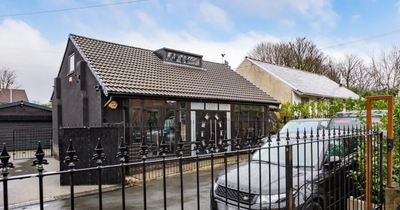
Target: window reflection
(244, 120)
(182, 118)
(169, 130)
(182, 58)
(135, 123)
(135, 103)
(152, 131)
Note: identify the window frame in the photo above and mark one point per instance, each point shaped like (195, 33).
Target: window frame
(179, 55)
(71, 68)
(304, 100)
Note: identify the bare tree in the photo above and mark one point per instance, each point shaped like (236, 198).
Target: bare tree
(386, 70)
(8, 78)
(330, 70)
(273, 53)
(306, 56)
(300, 54)
(350, 68)
(363, 77)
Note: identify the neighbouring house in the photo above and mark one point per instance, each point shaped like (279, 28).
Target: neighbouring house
(288, 84)
(12, 95)
(150, 93)
(25, 123)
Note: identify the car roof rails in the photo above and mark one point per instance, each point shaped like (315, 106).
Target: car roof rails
(374, 113)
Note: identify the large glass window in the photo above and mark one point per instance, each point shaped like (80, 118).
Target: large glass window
(152, 130)
(135, 103)
(169, 129)
(134, 121)
(153, 102)
(182, 118)
(244, 119)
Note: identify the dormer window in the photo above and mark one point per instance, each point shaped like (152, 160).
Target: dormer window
(182, 58)
(179, 57)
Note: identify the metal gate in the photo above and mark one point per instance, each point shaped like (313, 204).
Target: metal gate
(25, 142)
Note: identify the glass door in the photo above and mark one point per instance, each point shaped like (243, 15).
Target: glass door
(153, 129)
(170, 126)
(161, 125)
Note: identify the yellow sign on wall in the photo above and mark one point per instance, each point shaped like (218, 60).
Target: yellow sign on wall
(113, 105)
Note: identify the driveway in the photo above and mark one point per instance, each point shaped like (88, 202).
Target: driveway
(154, 189)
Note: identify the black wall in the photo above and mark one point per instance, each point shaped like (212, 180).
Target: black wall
(113, 116)
(76, 104)
(84, 142)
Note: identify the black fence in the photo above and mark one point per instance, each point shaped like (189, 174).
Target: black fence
(25, 142)
(320, 169)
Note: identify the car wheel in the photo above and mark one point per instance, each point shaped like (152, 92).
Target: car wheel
(313, 205)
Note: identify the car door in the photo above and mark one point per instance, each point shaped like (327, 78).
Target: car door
(334, 180)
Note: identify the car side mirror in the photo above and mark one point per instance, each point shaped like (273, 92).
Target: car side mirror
(333, 161)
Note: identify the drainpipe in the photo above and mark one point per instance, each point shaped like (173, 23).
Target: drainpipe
(109, 101)
(10, 95)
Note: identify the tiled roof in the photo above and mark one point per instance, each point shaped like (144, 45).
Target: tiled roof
(131, 70)
(306, 82)
(12, 95)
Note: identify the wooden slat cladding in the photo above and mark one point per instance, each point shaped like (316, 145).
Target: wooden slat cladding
(7, 128)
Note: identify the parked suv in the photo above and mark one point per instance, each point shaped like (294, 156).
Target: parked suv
(308, 124)
(318, 177)
(303, 124)
(351, 119)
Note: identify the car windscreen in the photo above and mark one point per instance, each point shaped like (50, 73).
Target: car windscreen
(293, 125)
(348, 122)
(301, 153)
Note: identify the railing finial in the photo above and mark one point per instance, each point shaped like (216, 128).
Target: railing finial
(123, 151)
(39, 161)
(71, 157)
(99, 156)
(4, 165)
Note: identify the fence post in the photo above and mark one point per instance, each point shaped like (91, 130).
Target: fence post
(51, 147)
(4, 165)
(289, 175)
(99, 156)
(39, 162)
(123, 155)
(70, 159)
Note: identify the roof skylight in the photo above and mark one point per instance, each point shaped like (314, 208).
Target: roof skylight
(175, 56)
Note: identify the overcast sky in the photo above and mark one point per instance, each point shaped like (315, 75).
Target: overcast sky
(33, 45)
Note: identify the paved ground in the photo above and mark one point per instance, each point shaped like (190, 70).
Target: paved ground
(134, 196)
(26, 191)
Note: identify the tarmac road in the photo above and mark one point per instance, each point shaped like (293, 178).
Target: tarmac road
(154, 191)
(26, 191)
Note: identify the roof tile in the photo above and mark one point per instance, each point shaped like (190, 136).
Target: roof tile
(126, 69)
(12, 95)
(301, 81)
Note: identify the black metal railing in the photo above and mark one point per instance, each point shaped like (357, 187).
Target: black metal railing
(321, 169)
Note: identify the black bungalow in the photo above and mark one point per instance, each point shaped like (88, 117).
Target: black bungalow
(149, 94)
